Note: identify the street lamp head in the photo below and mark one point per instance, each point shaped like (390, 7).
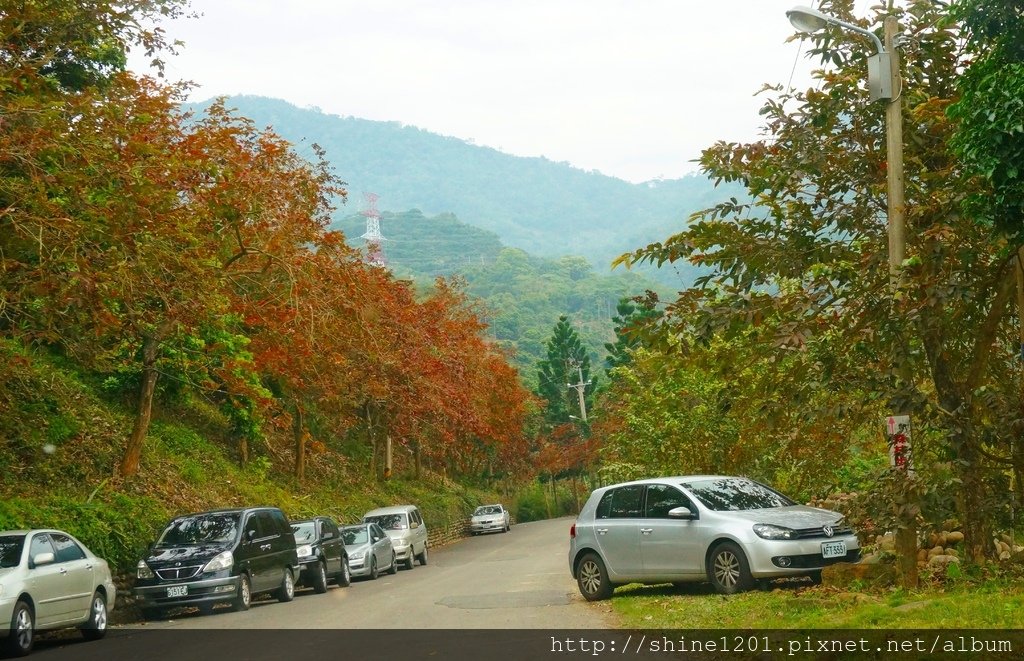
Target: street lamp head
(806, 19)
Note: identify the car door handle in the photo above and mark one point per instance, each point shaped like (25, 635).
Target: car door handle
(264, 547)
(63, 571)
(646, 531)
(601, 531)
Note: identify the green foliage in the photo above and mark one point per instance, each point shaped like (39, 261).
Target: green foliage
(115, 527)
(630, 321)
(536, 503)
(567, 362)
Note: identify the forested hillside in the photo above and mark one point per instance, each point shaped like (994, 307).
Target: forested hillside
(521, 295)
(547, 208)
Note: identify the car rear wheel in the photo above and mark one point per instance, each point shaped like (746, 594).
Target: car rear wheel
(727, 569)
(592, 578)
(393, 569)
(373, 569)
(422, 557)
(96, 627)
(244, 598)
(286, 592)
(22, 635)
(344, 578)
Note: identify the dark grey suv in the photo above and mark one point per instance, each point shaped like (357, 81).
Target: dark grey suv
(222, 556)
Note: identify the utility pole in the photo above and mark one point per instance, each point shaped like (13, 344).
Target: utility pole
(580, 387)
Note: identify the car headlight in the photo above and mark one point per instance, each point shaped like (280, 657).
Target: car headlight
(358, 555)
(305, 550)
(142, 570)
(768, 531)
(220, 561)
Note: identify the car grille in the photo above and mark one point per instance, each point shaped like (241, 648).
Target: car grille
(813, 533)
(178, 573)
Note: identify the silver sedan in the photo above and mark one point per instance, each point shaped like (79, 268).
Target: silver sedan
(729, 531)
(50, 580)
(369, 549)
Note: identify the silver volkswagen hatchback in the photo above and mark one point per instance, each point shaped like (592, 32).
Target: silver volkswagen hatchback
(729, 531)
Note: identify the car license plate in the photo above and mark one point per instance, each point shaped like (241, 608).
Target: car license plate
(833, 549)
(177, 591)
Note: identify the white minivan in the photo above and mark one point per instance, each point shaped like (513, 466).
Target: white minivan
(405, 526)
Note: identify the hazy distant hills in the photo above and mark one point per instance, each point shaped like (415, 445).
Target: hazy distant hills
(546, 208)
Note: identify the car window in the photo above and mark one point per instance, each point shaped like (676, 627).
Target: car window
(626, 502)
(733, 494)
(267, 525)
(661, 498)
(10, 550)
(67, 550)
(279, 522)
(304, 532)
(357, 535)
(390, 521)
(329, 528)
(215, 528)
(40, 544)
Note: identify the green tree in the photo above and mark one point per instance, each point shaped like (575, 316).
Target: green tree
(630, 320)
(809, 250)
(567, 362)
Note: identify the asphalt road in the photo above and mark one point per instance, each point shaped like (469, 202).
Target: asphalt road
(510, 581)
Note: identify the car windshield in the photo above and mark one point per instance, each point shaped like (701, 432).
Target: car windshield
(219, 528)
(732, 494)
(487, 509)
(389, 521)
(10, 550)
(357, 535)
(304, 532)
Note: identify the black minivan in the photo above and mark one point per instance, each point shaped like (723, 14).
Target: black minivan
(222, 556)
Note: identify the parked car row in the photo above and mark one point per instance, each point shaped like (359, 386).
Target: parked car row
(50, 580)
(728, 531)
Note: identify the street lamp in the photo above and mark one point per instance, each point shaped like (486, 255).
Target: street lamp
(883, 80)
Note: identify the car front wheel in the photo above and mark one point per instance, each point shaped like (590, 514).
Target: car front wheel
(96, 627)
(727, 569)
(592, 578)
(344, 578)
(22, 634)
(244, 598)
(286, 592)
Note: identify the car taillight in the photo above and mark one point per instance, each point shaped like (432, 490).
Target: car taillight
(572, 532)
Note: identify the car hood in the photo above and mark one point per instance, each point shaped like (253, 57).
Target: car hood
(7, 571)
(161, 556)
(483, 518)
(353, 549)
(795, 516)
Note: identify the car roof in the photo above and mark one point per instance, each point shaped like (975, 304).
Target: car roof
(33, 530)
(394, 509)
(675, 479)
(228, 510)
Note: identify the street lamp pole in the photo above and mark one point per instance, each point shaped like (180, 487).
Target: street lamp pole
(894, 156)
(884, 82)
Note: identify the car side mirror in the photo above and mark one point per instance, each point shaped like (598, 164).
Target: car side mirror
(40, 559)
(681, 512)
(249, 536)
(414, 525)
(328, 535)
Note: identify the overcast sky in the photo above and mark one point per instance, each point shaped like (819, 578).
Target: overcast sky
(632, 88)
